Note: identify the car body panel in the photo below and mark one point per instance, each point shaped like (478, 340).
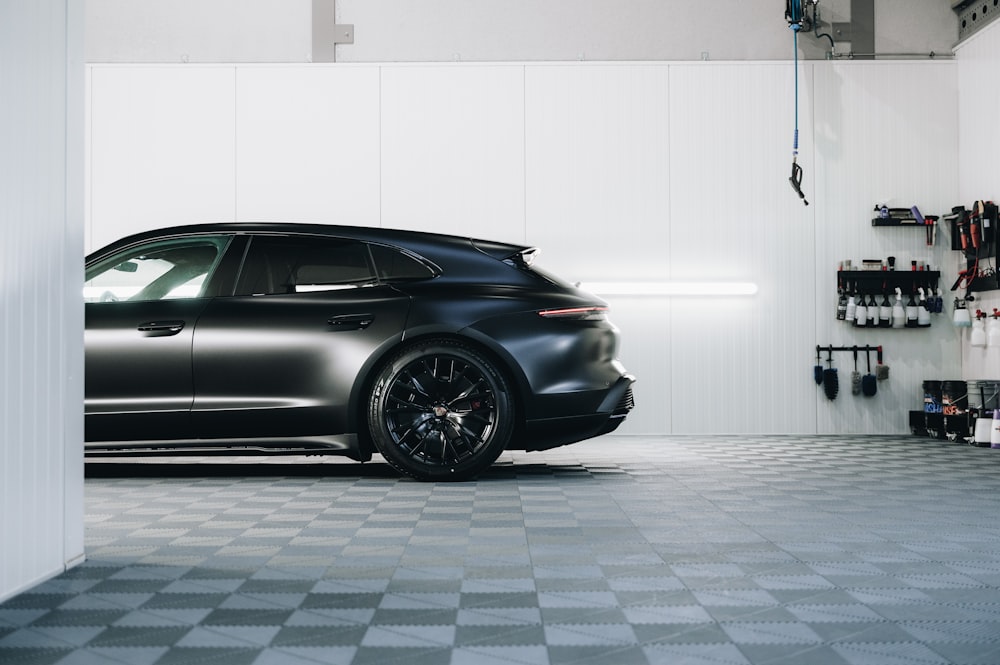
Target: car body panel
(138, 366)
(286, 369)
(286, 364)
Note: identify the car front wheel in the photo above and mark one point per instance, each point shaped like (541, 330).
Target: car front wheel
(440, 411)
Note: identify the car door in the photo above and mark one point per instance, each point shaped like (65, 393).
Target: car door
(142, 305)
(280, 357)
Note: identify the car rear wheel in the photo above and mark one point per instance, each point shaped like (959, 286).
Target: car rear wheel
(440, 411)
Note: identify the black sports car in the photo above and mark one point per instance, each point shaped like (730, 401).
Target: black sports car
(438, 352)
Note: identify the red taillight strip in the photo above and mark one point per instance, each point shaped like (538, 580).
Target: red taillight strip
(572, 312)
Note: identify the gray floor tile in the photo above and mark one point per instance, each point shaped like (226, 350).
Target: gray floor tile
(765, 550)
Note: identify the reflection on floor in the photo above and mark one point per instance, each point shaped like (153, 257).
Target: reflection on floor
(713, 550)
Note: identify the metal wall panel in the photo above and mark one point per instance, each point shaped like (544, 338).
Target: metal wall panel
(597, 169)
(41, 312)
(979, 145)
(737, 362)
(597, 191)
(452, 149)
(162, 148)
(306, 144)
(885, 133)
(632, 172)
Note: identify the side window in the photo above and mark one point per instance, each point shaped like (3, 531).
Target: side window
(303, 265)
(395, 266)
(157, 271)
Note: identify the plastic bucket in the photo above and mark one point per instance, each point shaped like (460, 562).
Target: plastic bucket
(984, 430)
(984, 395)
(954, 398)
(932, 397)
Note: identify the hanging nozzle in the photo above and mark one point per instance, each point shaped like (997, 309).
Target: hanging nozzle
(796, 178)
(796, 181)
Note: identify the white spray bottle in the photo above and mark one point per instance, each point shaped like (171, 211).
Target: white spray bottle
(898, 313)
(923, 313)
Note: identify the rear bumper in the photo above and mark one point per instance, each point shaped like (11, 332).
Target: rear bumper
(546, 433)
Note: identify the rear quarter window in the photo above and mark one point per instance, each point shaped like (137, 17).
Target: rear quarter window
(392, 265)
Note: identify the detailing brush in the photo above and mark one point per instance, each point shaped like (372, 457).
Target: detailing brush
(831, 383)
(881, 371)
(855, 375)
(868, 385)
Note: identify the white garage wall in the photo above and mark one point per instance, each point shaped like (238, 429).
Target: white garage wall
(41, 312)
(634, 172)
(734, 217)
(979, 145)
(307, 144)
(889, 134)
(597, 152)
(162, 148)
(453, 149)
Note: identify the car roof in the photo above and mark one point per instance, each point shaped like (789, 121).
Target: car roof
(457, 256)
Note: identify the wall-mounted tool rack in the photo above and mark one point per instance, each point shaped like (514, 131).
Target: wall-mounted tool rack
(867, 348)
(871, 281)
(974, 233)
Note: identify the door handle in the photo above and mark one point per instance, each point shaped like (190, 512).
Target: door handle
(351, 321)
(161, 328)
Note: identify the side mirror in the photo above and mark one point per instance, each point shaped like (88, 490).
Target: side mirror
(127, 266)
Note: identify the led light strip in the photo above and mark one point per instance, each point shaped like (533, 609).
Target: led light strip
(670, 288)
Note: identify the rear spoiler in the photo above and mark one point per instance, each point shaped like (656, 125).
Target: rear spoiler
(520, 255)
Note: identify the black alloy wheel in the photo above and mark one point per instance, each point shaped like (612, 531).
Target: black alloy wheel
(440, 411)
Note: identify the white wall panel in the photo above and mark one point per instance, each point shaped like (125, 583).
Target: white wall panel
(737, 362)
(41, 312)
(597, 169)
(885, 133)
(618, 171)
(453, 150)
(979, 145)
(597, 200)
(162, 148)
(307, 144)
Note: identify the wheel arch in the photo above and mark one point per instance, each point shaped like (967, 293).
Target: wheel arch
(482, 344)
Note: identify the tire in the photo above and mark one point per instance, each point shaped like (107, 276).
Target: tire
(440, 411)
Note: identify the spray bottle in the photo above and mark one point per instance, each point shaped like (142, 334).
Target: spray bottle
(978, 336)
(898, 315)
(911, 312)
(993, 329)
(885, 311)
(923, 311)
(961, 317)
(852, 305)
(938, 302)
(861, 312)
(841, 301)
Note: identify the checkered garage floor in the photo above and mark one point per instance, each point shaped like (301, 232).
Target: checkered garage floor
(709, 550)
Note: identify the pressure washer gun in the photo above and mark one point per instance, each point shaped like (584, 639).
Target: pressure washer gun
(796, 177)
